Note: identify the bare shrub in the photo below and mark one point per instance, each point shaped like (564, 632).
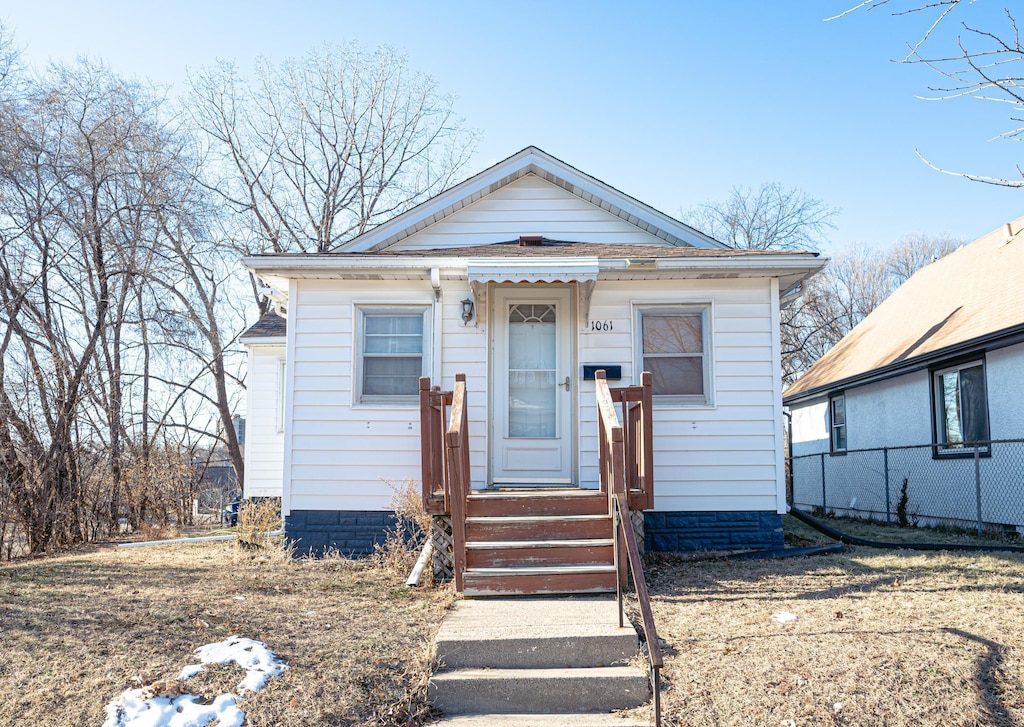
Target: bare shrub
(403, 540)
(257, 518)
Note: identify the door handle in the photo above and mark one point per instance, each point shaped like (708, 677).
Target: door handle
(567, 383)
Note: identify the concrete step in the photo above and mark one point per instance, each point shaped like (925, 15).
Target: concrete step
(534, 633)
(489, 691)
(538, 527)
(489, 554)
(536, 502)
(534, 580)
(594, 719)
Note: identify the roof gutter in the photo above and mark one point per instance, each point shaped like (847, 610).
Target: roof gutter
(330, 265)
(989, 342)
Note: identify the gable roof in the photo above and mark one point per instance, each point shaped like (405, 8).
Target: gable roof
(270, 325)
(973, 297)
(530, 160)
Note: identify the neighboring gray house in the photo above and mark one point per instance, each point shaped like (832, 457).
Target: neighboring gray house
(524, 277)
(941, 363)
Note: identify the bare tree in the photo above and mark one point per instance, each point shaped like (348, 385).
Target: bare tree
(973, 61)
(852, 286)
(316, 151)
(770, 217)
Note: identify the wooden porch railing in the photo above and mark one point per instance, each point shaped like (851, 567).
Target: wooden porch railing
(434, 405)
(445, 461)
(637, 431)
(616, 468)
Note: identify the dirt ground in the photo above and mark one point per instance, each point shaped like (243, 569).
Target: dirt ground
(77, 629)
(881, 637)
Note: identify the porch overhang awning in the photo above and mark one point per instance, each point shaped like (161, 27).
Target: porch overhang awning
(580, 270)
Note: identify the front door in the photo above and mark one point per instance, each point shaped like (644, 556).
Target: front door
(532, 385)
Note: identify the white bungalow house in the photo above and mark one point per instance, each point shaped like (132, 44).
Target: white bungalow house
(526, 277)
(939, 363)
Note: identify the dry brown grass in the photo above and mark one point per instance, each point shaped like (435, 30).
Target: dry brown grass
(881, 638)
(77, 629)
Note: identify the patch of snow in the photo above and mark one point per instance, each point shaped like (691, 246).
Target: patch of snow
(189, 671)
(783, 617)
(141, 708)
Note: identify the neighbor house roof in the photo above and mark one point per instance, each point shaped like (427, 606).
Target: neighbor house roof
(530, 160)
(270, 325)
(971, 298)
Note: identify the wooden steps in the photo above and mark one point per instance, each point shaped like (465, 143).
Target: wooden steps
(538, 541)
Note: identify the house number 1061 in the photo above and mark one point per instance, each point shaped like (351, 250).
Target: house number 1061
(600, 325)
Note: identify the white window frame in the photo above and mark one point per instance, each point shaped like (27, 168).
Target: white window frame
(833, 427)
(360, 313)
(280, 394)
(706, 400)
(943, 447)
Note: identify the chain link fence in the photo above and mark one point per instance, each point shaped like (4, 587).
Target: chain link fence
(977, 487)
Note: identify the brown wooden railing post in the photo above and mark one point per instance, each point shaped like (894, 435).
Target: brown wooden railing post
(646, 442)
(426, 443)
(457, 448)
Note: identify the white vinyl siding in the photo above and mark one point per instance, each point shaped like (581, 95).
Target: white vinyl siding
(346, 455)
(720, 457)
(264, 445)
(528, 205)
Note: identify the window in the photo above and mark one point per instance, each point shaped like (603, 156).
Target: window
(961, 408)
(837, 422)
(672, 343)
(391, 355)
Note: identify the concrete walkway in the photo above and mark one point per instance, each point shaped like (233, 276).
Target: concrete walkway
(537, 661)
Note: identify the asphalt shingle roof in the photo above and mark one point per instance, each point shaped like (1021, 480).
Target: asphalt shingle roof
(974, 292)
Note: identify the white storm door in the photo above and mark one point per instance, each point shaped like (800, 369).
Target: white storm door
(532, 386)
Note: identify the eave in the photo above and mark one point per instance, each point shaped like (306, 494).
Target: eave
(975, 346)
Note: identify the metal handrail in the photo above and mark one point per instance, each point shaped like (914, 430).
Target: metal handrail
(613, 459)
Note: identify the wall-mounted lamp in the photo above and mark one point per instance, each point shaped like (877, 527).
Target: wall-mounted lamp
(467, 311)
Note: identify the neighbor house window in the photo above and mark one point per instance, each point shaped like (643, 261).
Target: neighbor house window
(961, 408)
(673, 343)
(391, 355)
(837, 422)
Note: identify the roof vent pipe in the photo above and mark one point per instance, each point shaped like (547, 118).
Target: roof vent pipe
(531, 240)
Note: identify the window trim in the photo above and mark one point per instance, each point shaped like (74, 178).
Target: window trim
(940, 448)
(281, 381)
(694, 401)
(360, 311)
(832, 426)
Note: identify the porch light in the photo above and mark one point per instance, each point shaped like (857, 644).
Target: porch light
(467, 311)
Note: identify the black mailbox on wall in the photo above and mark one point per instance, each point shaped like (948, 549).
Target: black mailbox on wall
(612, 373)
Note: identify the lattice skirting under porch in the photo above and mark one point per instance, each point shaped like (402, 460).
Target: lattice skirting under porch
(637, 518)
(441, 537)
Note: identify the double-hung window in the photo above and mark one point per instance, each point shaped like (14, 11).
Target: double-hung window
(961, 408)
(837, 422)
(673, 343)
(392, 353)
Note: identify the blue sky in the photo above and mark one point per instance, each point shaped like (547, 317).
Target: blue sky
(672, 102)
